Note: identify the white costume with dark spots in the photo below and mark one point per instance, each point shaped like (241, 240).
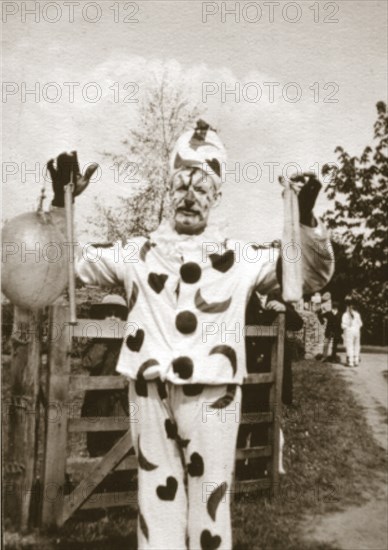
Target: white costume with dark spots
(187, 297)
(185, 446)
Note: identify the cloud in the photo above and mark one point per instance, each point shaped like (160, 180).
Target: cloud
(253, 132)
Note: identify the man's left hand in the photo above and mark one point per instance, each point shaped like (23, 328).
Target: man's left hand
(275, 305)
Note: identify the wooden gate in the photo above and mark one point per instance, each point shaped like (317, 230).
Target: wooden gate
(58, 504)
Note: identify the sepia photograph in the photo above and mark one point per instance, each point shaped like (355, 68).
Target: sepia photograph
(194, 296)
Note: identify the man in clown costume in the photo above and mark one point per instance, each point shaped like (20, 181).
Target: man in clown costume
(184, 354)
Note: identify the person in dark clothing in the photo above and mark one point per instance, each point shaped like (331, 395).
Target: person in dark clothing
(294, 323)
(255, 397)
(100, 359)
(333, 333)
(259, 349)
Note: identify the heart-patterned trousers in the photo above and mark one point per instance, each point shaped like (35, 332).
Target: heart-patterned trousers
(185, 440)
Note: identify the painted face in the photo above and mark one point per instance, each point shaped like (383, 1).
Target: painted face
(193, 194)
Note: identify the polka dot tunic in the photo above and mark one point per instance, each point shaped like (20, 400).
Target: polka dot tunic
(187, 297)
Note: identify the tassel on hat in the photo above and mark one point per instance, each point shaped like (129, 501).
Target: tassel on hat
(201, 148)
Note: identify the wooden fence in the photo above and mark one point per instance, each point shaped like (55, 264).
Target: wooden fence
(58, 503)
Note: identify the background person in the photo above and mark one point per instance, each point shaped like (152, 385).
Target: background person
(294, 323)
(333, 333)
(263, 311)
(351, 325)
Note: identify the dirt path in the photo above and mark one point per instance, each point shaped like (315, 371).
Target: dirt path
(362, 527)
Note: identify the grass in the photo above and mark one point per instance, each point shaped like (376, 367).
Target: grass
(331, 460)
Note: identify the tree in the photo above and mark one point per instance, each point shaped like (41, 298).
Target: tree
(163, 115)
(358, 188)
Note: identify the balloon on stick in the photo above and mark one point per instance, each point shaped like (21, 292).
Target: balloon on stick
(34, 267)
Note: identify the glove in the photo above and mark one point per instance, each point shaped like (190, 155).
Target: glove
(66, 165)
(309, 187)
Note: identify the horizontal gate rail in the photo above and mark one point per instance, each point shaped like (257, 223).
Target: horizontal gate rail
(88, 473)
(254, 452)
(76, 468)
(252, 485)
(99, 424)
(260, 378)
(86, 382)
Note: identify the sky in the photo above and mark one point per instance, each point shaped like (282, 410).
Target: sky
(325, 63)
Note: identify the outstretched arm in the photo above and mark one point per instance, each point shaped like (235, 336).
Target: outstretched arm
(315, 252)
(94, 265)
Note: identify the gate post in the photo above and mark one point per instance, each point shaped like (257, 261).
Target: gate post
(56, 415)
(22, 416)
(275, 398)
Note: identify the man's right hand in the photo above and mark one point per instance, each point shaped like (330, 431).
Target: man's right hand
(61, 171)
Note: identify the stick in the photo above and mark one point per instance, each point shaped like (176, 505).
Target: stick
(70, 238)
(291, 248)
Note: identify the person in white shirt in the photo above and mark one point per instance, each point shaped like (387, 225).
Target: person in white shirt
(184, 354)
(351, 325)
